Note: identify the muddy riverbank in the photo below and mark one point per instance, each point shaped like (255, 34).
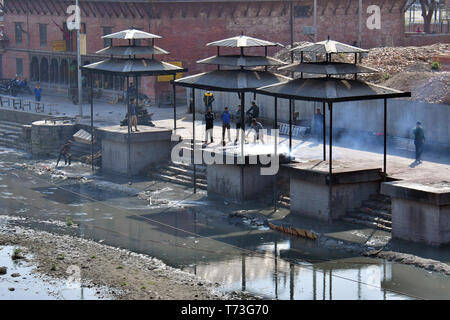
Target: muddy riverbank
(125, 274)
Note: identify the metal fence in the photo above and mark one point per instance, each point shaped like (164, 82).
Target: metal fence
(24, 104)
(440, 23)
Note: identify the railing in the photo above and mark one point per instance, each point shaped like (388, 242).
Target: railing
(24, 104)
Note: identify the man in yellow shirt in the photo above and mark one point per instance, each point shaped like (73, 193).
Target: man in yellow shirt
(208, 99)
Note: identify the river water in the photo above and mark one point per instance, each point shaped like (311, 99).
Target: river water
(196, 234)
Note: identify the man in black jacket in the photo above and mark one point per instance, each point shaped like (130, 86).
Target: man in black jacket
(209, 120)
(253, 112)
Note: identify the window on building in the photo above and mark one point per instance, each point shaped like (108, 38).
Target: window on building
(19, 67)
(302, 11)
(107, 42)
(19, 31)
(43, 34)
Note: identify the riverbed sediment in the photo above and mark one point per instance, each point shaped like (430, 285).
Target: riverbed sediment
(126, 274)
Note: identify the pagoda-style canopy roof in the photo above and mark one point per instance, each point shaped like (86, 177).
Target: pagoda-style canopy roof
(231, 80)
(134, 67)
(132, 50)
(131, 34)
(243, 42)
(330, 90)
(329, 46)
(327, 68)
(236, 80)
(128, 64)
(242, 61)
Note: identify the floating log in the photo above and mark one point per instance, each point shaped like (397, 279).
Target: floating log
(295, 231)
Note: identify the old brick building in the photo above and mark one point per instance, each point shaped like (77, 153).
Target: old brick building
(39, 46)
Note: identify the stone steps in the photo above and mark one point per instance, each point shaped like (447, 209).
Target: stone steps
(375, 212)
(372, 204)
(11, 134)
(284, 201)
(366, 223)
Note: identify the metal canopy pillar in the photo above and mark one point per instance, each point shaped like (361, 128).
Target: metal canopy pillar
(129, 128)
(330, 181)
(324, 132)
(193, 140)
(242, 145)
(275, 127)
(385, 138)
(91, 80)
(290, 127)
(174, 105)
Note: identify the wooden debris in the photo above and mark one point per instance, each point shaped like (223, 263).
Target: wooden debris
(295, 231)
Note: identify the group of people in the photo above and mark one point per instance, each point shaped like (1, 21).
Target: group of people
(227, 118)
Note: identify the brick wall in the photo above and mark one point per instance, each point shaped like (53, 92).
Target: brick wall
(187, 27)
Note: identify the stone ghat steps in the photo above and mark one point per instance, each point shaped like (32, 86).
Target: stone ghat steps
(372, 224)
(181, 173)
(10, 135)
(284, 201)
(375, 212)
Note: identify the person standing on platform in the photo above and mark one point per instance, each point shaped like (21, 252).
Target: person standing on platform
(253, 112)
(419, 140)
(132, 116)
(226, 119)
(209, 121)
(237, 120)
(37, 93)
(318, 125)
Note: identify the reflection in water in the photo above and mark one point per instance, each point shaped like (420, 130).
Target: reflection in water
(216, 248)
(349, 279)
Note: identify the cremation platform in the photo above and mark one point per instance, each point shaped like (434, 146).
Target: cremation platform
(239, 178)
(352, 183)
(147, 146)
(420, 210)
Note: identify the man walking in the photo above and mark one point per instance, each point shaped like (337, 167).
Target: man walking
(257, 127)
(209, 121)
(419, 140)
(132, 116)
(237, 120)
(226, 117)
(37, 92)
(65, 152)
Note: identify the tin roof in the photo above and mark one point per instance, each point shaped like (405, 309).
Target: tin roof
(243, 42)
(329, 46)
(242, 61)
(330, 90)
(131, 34)
(133, 67)
(231, 80)
(330, 68)
(131, 50)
